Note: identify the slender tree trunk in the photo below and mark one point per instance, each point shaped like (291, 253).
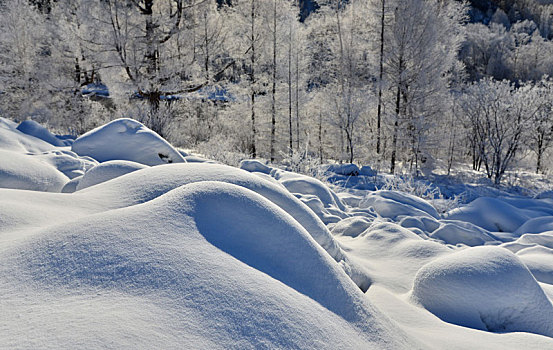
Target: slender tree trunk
(396, 127)
(320, 138)
(539, 154)
(380, 75)
(206, 63)
(290, 90)
(297, 100)
(252, 80)
(273, 91)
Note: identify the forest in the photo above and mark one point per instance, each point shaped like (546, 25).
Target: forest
(404, 86)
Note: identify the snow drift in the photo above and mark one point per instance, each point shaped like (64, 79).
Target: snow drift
(486, 288)
(133, 142)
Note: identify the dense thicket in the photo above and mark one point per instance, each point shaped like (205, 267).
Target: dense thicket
(400, 85)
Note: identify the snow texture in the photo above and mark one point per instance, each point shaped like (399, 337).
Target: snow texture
(134, 142)
(486, 288)
(30, 127)
(203, 255)
(107, 171)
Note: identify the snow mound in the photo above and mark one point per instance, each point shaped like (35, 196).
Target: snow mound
(30, 127)
(423, 223)
(544, 239)
(14, 140)
(19, 171)
(539, 261)
(310, 186)
(67, 162)
(391, 254)
(253, 165)
(486, 288)
(352, 226)
(218, 266)
(455, 232)
(71, 186)
(146, 184)
(491, 214)
(393, 204)
(367, 171)
(126, 139)
(107, 171)
(342, 169)
(536, 225)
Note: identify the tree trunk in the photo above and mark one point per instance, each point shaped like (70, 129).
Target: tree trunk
(252, 80)
(206, 62)
(396, 127)
(380, 74)
(539, 154)
(290, 90)
(273, 91)
(320, 138)
(297, 99)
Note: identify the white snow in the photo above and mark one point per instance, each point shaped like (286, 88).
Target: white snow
(486, 288)
(30, 127)
(107, 171)
(126, 139)
(391, 204)
(203, 255)
(491, 214)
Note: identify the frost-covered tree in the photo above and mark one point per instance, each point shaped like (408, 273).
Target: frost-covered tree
(420, 53)
(540, 130)
(339, 53)
(499, 114)
(24, 55)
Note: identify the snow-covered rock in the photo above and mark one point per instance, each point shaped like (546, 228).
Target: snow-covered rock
(391, 254)
(126, 139)
(12, 139)
(486, 288)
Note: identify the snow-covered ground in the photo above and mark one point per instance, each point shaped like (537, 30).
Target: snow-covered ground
(118, 240)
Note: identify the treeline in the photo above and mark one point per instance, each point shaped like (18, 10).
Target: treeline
(396, 84)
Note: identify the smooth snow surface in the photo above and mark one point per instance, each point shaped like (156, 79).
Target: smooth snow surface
(30, 127)
(107, 171)
(486, 288)
(203, 255)
(133, 142)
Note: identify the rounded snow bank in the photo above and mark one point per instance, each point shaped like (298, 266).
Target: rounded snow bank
(32, 128)
(208, 264)
(146, 184)
(392, 204)
(491, 214)
(126, 139)
(107, 171)
(486, 288)
(25, 172)
(253, 165)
